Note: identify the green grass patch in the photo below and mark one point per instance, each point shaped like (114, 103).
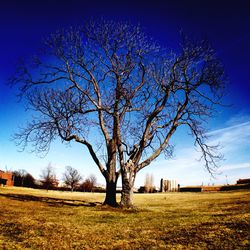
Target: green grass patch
(37, 219)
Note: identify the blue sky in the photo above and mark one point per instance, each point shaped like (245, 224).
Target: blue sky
(225, 23)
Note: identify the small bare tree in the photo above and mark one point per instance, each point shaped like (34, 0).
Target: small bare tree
(93, 179)
(88, 184)
(71, 178)
(48, 178)
(113, 79)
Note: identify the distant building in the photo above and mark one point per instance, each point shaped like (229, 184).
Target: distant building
(169, 186)
(6, 178)
(241, 184)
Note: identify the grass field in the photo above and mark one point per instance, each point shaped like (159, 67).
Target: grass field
(36, 219)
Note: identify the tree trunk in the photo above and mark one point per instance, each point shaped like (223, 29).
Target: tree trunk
(128, 179)
(110, 198)
(127, 195)
(111, 176)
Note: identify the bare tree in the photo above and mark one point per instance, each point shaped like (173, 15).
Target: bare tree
(48, 178)
(89, 184)
(71, 178)
(113, 79)
(93, 179)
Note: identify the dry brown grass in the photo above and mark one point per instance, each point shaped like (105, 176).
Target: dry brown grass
(36, 219)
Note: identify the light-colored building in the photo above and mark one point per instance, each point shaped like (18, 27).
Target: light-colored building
(169, 186)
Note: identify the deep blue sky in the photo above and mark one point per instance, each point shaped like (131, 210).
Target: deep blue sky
(225, 23)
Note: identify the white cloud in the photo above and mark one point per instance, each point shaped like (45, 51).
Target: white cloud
(239, 118)
(229, 129)
(232, 138)
(244, 165)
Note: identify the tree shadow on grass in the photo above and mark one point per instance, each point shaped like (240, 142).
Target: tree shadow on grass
(51, 201)
(210, 235)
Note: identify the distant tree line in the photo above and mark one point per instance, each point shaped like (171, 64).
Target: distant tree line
(71, 180)
(23, 179)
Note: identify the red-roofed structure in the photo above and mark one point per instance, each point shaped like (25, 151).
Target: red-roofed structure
(6, 178)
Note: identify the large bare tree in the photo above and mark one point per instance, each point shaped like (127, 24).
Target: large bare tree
(111, 88)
